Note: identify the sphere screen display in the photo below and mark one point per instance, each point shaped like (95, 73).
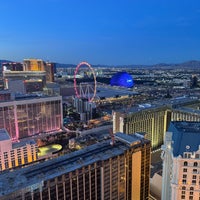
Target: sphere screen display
(122, 79)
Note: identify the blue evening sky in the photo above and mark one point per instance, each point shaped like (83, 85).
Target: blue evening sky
(100, 31)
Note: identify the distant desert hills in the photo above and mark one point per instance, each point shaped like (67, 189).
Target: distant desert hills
(187, 64)
(2, 61)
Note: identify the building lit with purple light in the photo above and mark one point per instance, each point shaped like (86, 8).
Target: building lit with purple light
(29, 116)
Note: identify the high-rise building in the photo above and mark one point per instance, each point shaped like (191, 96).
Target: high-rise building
(34, 65)
(50, 69)
(30, 115)
(194, 81)
(15, 154)
(40, 65)
(181, 161)
(24, 81)
(85, 108)
(100, 171)
(185, 114)
(12, 66)
(154, 121)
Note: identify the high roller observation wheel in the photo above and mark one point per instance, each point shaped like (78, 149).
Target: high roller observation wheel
(94, 76)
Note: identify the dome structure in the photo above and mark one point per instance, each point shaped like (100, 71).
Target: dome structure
(122, 79)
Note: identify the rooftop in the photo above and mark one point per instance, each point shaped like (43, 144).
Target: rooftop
(22, 73)
(176, 104)
(140, 108)
(23, 143)
(30, 98)
(5, 91)
(130, 140)
(188, 110)
(4, 134)
(185, 136)
(34, 175)
(109, 91)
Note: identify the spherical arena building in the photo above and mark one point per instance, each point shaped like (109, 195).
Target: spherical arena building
(122, 79)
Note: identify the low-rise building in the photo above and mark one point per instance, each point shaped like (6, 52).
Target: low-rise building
(16, 154)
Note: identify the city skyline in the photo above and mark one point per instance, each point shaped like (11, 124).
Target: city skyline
(106, 32)
(56, 142)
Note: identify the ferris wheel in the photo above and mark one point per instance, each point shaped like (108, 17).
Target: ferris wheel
(85, 90)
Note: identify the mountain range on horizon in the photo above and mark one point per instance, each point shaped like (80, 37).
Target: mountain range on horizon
(187, 64)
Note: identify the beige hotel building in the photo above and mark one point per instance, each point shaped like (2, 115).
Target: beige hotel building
(16, 154)
(153, 120)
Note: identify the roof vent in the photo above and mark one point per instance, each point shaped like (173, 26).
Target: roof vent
(187, 147)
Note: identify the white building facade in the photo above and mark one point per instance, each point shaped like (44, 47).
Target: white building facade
(181, 162)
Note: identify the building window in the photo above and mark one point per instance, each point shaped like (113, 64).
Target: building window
(184, 181)
(183, 197)
(190, 197)
(185, 155)
(195, 164)
(19, 161)
(18, 152)
(183, 188)
(194, 170)
(184, 169)
(6, 165)
(191, 193)
(185, 163)
(194, 177)
(13, 163)
(5, 155)
(183, 192)
(184, 175)
(191, 188)
(194, 182)
(25, 159)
